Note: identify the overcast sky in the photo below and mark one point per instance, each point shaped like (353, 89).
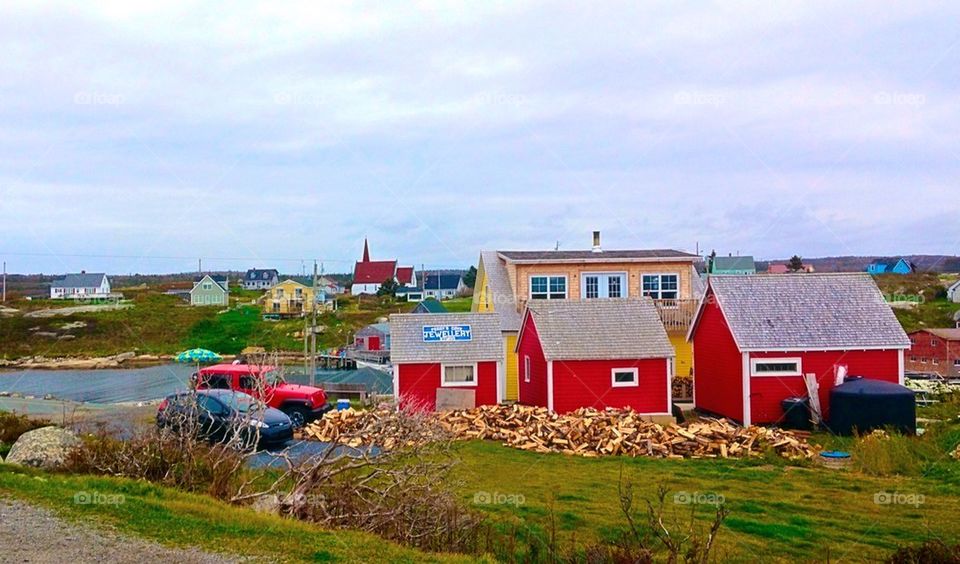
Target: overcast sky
(263, 135)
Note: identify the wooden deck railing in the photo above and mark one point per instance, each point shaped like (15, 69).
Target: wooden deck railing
(677, 315)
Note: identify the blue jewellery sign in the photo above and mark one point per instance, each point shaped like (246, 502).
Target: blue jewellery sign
(447, 333)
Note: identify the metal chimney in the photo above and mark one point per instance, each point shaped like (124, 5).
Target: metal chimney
(596, 242)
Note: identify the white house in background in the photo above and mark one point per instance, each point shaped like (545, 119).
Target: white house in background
(82, 285)
(261, 279)
(953, 292)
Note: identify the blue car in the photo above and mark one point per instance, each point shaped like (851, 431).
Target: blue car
(220, 415)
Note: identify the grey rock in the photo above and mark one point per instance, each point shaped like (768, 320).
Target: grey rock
(45, 448)
(267, 504)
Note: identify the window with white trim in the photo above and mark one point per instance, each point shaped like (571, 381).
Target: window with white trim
(526, 368)
(913, 359)
(548, 287)
(459, 375)
(956, 363)
(775, 367)
(624, 377)
(661, 286)
(936, 361)
(603, 285)
(933, 342)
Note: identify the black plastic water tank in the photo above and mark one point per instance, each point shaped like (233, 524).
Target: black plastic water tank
(796, 413)
(863, 404)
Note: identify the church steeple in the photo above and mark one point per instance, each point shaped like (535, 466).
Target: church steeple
(366, 251)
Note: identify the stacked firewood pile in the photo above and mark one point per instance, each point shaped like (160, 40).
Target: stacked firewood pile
(586, 432)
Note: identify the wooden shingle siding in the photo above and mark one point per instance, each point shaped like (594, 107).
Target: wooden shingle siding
(520, 276)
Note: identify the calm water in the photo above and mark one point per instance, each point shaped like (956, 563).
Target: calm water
(145, 384)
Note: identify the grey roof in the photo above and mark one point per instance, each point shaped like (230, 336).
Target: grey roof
(734, 263)
(806, 311)
(647, 254)
(407, 338)
(81, 280)
(498, 282)
(383, 328)
(600, 329)
(697, 284)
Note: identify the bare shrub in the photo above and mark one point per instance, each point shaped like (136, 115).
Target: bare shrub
(179, 455)
(398, 487)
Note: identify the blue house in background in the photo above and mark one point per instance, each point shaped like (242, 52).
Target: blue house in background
(898, 266)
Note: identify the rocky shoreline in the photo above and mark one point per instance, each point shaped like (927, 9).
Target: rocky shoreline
(122, 360)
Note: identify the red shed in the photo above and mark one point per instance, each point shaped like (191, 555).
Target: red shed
(755, 337)
(462, 352)
(595, 353)
(935, 350)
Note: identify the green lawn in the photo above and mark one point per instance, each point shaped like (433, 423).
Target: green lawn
(179, 519)
(457, 305)
(795, 513)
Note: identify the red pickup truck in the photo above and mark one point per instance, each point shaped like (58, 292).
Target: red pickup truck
(301, 403)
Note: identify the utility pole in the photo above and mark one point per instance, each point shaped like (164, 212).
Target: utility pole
(200, 266)
(313, 331)
(4, 281)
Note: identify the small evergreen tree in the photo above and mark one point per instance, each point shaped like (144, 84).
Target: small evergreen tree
(470, 278)
(388, 287)
(795, 264)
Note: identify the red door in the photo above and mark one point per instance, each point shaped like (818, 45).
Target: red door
(373, 343)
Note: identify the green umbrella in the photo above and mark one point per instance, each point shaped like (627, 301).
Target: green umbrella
(197, 356)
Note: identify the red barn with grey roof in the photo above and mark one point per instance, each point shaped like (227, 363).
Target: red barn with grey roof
(755, 337)
(595, 353)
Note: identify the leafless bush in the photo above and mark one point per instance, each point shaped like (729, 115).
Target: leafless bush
(683, 539)
(182, 454)
(398, 487)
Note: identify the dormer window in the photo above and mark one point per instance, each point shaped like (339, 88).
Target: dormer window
(548, 287)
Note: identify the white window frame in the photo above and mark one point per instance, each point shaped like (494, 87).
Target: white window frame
(956, 362)
(636, 378)
(443, 376)
(755, 361)
(605, 277)
(566, 285)
(660, 276)
(526, 369)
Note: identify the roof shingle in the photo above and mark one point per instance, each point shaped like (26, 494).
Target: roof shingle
(600, 329)
(407, 344)
(501, 293)
(806, 311)
(647, 254)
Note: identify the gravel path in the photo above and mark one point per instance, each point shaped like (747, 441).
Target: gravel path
(32, 534)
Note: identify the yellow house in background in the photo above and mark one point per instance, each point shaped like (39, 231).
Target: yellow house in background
(507, 280)
(289, 298)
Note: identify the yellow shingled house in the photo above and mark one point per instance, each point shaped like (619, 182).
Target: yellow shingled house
(507, 280)
(288, 298)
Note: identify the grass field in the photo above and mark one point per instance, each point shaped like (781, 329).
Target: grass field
(795, 513)
(179, 519)
(162, 324)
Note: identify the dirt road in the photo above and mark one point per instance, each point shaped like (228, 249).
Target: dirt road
(32, 534)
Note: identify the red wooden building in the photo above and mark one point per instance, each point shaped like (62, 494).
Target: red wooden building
(936, 351)
(595, 353)
(462, 352)
(754, 337)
